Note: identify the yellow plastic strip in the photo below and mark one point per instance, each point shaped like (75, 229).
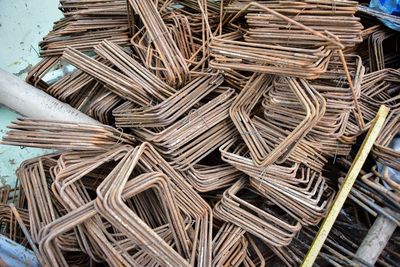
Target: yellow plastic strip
(344, 191)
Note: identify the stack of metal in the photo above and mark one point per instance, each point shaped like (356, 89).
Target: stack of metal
(221, 124)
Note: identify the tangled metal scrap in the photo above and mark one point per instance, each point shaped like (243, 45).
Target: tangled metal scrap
(222, 123)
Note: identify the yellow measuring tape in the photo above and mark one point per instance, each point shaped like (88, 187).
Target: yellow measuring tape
(344, 191)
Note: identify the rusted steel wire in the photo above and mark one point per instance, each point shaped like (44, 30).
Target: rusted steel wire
(307, 202)
(230, 52)
(119, 84)
(275, 137)
(4, 194)
(34, 178)
(176, 70)
(79, 89)
(274, 39)
(338, 250)
(382, 151)
(132, 69)
(375, 193)
(335, 18)
(70, 178)
(264, 224)
(64, 135)
(286, 185)
(193, 131)
(206, 178)
(227, 125)
(380, 87)
(24, 229)
(171, 109)
(86, 24)
(9, 225)
(379, 39)
(231, 239)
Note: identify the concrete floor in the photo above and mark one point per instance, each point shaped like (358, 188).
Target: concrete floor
(23, 23)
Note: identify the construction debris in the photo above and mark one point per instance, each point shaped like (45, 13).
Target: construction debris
(226, 129)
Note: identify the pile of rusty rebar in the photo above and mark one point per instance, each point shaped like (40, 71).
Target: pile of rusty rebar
(226, 129)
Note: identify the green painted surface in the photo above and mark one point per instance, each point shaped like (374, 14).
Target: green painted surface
(23, 23)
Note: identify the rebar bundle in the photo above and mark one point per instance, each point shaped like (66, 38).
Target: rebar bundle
(226, 130)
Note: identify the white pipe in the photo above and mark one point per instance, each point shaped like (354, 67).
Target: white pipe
(34, 103)
(376, 239)
(383, 228)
